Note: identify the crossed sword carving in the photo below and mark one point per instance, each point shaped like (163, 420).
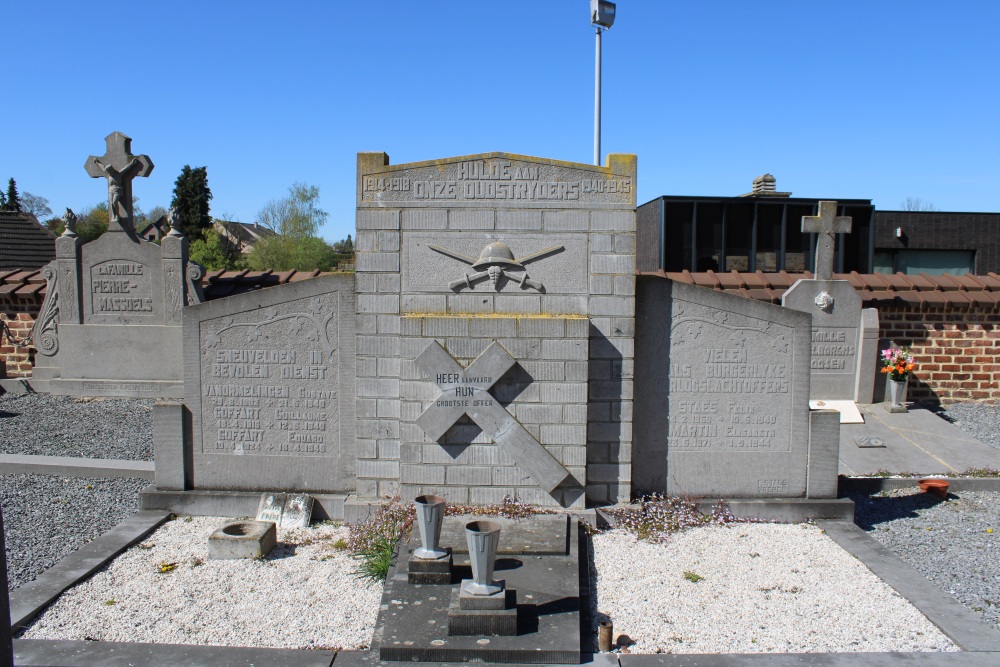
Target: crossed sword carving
(471, 397)
(469, 278)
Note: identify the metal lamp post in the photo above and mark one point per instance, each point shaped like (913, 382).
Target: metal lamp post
(602, 17)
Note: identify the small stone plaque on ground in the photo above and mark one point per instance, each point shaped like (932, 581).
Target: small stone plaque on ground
(271, 507)
(297, 511)
(869, 442)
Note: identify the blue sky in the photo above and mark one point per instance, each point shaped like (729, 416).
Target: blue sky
(882, 100)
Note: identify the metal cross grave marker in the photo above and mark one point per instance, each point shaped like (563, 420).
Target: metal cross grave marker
(825, 225)
(465, 391)
(119, 166)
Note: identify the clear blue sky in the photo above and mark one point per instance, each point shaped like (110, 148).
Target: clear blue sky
(882, 100)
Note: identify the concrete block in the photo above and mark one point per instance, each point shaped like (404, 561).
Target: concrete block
(614, 221)
(377, 261)
(824, 453)
(463, 219)
(564, 304)
(173, 459)
(378, 303)
(569, 350)
(470, 303)
(388, 324)
(567, 392)
(493, 327)
(388, 241)
(242, 539)
(378, 346)
(602, 284)
(619, 306)
(566, 221)
(519, 220)
(378, 469)
(541, 327)
(602, 243)
(528, 304)
(422, 474)
(468, 475)
(424, 218)
(377, 219)
(423, 303)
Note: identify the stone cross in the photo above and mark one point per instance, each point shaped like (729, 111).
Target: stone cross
(119, 166)
(465, 391)
(826, 224)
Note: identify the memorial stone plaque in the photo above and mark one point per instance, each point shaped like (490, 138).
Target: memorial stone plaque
(836, 331)
(733, 376)
(267, 372)
(271, 507)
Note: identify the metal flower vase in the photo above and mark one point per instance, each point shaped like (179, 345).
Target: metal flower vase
(897, 392)
(483, 537)
(430, 516)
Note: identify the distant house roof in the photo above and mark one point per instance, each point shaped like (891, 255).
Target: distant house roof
(24, 242)
(242, 233)
(154, 229)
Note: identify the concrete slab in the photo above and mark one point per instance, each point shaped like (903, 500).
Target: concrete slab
(814, 660)
(917, 441)
(542, 534)
(206, 502)
(849, 413)
(73, 466)
(38, 652)
(28, 601)
(413, 620)
(960, 624)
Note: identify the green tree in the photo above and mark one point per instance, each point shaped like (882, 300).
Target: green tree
(282, 253)
(295, 220)
(215, 252)
(296, 216)
(345, 246)
(191, 197)
(36, 206)
(11, 202)
(92, 222)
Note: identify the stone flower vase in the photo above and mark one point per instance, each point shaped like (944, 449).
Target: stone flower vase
(430, 516)
(897, 394)
(483, 537)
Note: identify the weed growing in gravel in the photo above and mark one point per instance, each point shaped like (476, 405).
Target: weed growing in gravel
(657, 517)
(165, 567)
(981, 472)
(509, 507)
(373, 541)
(693, 577)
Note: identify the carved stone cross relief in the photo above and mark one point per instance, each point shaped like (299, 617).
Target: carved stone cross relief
(119, 166)
(825, 225)
(465, 391)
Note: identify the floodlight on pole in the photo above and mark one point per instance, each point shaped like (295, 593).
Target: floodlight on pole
(602, 17)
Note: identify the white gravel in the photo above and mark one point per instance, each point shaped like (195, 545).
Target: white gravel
(765, 588)
(301, 596)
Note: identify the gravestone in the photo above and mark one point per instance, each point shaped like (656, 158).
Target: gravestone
(841, 348)
(723, 410)
(495, 314)
(268, 398)
(110, 324)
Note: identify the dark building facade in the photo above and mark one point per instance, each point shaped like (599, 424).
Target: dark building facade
(747, 233)
(937, 242)
(761, 231)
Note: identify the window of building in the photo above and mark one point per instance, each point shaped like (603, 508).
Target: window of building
(931, 262)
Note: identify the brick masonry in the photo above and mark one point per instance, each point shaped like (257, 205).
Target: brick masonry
(956, 351)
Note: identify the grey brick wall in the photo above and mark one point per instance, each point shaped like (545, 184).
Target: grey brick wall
(573, 339)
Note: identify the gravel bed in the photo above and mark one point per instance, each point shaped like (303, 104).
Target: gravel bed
(165, 590)
(751, 588)
(955, 543)
(46, 518)
(66, 426)
(979, 419)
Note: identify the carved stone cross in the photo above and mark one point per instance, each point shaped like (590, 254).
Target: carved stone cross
(826, 224)
(119, 166)
(465, 391)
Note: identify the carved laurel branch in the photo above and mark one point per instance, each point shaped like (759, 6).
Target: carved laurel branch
(45, 333)
(778, 342)
(301, 319)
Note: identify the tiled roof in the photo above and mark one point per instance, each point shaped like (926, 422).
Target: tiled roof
(245, 233)
(24, 243)
(875, 289)
(18, 284)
